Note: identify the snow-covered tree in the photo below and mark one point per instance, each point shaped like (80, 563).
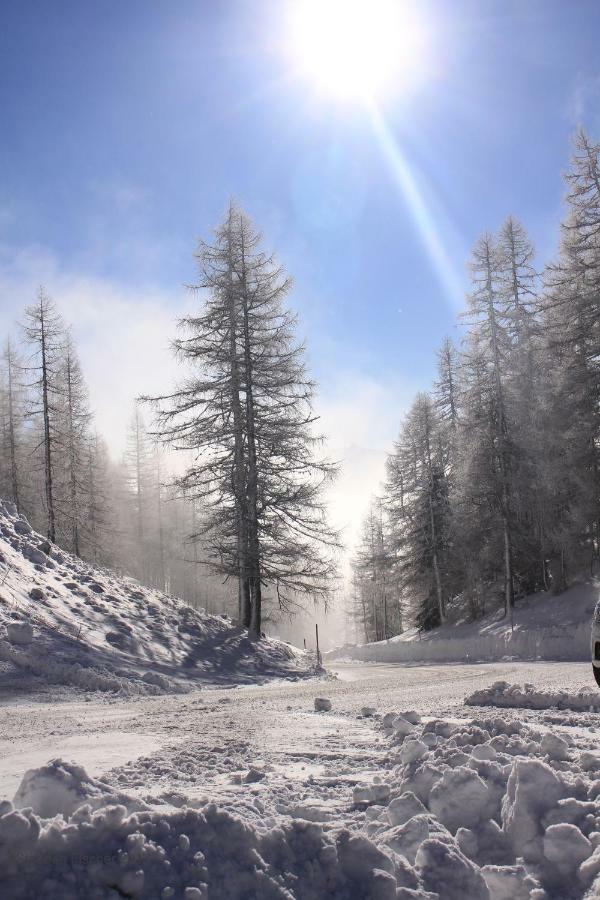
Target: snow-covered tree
(246, 413)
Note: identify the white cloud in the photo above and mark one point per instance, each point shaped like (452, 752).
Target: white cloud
(361, 418)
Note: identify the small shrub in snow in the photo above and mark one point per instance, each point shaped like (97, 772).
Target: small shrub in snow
(22, 526)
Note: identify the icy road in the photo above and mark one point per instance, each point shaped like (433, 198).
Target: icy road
(202, 744)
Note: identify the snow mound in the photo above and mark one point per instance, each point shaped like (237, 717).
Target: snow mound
(489, 808)
(503, 694)
(63, 621)
(182, 854)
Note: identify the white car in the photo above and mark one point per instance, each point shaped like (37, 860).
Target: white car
(596, 643)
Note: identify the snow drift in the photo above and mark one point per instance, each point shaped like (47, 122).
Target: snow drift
(62, 621)
(545, 627)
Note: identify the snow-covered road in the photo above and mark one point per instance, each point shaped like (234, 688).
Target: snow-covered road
(200, 741)
(426, 798)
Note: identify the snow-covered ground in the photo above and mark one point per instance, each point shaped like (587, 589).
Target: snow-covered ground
(66, 623)
(543, 626)
(151, 751)
(251, 792)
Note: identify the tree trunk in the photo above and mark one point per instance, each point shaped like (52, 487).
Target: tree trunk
(252, 483)
(47, 432)
(12, 444)
(239, 487)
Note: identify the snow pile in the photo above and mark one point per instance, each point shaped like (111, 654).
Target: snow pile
(482, 809)
(63, 621)
(488, 808)
(503, 694)
(545, 627)
(185, 854)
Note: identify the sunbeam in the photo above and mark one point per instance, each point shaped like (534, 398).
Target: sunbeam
(422, 215)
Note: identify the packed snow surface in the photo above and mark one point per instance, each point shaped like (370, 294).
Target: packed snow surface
(398, 803)
(64, 622)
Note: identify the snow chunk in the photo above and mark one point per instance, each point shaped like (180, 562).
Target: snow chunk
(404, 807)
(554, 746)
(446, 871)
(322, 704)
(532, 789)
(507, 882)
(254, 775)
(412, 750)
(57, 788)
(589, 761)
(566, 847)
(402, 726)
(407, 838)
(484, 752)
(372, 793)
(461, 797)
(503, 694)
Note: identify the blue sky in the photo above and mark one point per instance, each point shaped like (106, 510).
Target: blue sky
(127, 126)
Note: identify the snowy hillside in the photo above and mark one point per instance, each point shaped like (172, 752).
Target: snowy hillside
(64, 622)
(545, 626)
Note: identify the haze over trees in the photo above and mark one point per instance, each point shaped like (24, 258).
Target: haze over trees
(492, 488)
(248, 507)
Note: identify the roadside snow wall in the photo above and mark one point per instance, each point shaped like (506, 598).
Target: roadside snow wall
(556, 643)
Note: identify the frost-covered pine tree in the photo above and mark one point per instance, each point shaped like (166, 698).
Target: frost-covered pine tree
(246, 414)
(419, 512)
(571, 362)
(490, 341)
(74, 420)
(44, 332)
(11, 419)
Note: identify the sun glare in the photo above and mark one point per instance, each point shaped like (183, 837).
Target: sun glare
(354, 48)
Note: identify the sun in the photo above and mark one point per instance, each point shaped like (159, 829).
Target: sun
(355, 48)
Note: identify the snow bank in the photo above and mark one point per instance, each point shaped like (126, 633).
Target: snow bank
(183, 854)
(65, 622)
(489, 808)
(546, 627)
(503, 694)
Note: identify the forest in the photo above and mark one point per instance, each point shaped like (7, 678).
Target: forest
(492, 487)
(242, 505)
